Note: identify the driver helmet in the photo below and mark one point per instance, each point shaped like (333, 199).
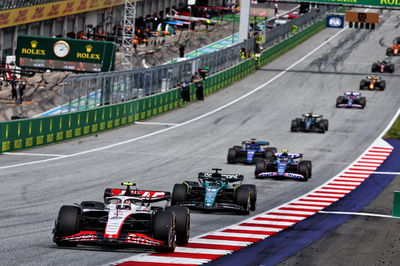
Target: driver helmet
(285, 152)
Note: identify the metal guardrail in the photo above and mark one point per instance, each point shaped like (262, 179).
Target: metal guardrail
(11, 4)
(114, 87)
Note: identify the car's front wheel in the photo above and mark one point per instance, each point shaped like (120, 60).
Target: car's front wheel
(68, 223)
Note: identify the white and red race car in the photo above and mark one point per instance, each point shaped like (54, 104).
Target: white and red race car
(124, 219)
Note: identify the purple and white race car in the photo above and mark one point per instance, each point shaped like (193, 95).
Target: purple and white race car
(351, 100)
(284, 165)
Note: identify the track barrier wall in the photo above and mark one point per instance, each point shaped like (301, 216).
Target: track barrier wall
(28, 133)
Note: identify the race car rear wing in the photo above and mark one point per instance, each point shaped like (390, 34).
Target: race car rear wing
(145, 195)
(228, 177)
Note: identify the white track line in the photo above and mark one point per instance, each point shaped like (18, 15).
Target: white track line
(156, 123)
(360, 214)
(188, 121)
(34, 154)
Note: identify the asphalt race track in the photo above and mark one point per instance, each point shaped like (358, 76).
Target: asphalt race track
(32, 193)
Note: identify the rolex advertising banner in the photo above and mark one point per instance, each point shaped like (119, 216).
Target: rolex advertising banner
(32, 13)
(382, 3)
(65, 54)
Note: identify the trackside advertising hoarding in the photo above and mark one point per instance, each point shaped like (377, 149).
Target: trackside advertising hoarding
(381, 3)
(24, 15)
(65, 54)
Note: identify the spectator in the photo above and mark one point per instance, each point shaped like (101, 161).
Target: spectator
(196, 77)
(199, 91)
(21, 90)
(182, 51)
(185, 92)
(13, 83)
(203, 72)
(243, 53)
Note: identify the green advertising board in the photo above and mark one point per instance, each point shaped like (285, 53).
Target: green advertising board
(381, 3)
(65, 54)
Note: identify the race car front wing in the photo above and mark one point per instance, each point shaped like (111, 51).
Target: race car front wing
(98, 238)
(275, 174)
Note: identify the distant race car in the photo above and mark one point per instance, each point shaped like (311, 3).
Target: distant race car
(249, 152)
(216, 192)
(393, 50)
(124, 219)
(284, 165)
(351, 100)
(310, 123)
(372, 83)
(383, 66)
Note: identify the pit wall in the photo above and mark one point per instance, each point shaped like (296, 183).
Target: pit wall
(28, 133)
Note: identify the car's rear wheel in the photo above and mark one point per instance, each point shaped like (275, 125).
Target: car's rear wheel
(68, 223)
(269, 154)
(182, 215)
(260, 167)
(375, 67)
(179, 194)
(164, 230)
(253, 195)
(389, 51)
(231, 156)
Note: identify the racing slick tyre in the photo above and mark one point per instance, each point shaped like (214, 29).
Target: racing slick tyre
(294, 126)
(164, 230)
(375, 67)
(340, 100)
(231, 156)
(253, 195)
(242, 198)
(182, 215)
(179, 194)
(237, 147)
(363, 85)
(391, 68)
(260, 167)
(321, 127)
(382, 85)
(68, 223)
(363, 102)
(326, 123)
(269, 154)
(309, 166)
(302, 169)
(389, 51)
(93, 205)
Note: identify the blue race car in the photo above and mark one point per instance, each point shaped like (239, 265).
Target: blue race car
(216, 192)
(249, 152)
(309, 123)
(284, 165)
(351, 100)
